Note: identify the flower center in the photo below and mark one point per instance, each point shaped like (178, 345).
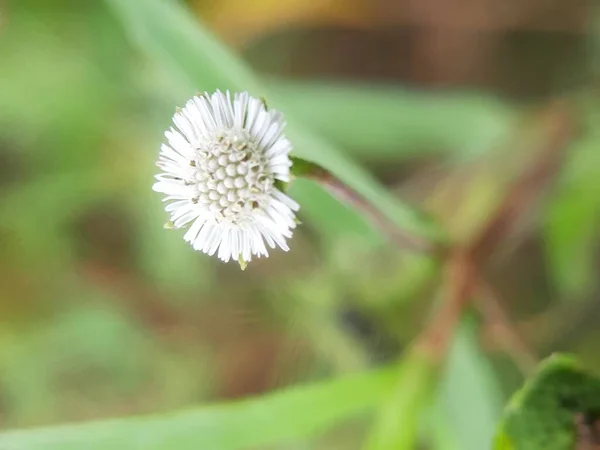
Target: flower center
(232, 177)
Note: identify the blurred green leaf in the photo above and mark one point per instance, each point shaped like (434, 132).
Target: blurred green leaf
(573, 217)
(440, 434)
(279, 417)
(168, 32)
(398, 422)
(384, 122)
(469, 396)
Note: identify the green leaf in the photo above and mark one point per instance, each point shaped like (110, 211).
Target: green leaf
(542, 414)
(166, 31)
(397, 425)
(384, 122)
(573, 218)
(170, 35)
(284, 416)
(469, 394)
(440, 434)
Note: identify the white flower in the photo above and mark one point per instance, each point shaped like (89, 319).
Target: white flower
(221, 170)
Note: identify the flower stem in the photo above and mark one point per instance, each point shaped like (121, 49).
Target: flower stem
(347, 195)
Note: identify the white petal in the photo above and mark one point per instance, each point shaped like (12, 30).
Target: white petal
(197, 190)
(192, 233)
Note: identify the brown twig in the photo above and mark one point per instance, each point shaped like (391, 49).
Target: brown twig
(587, 433)
(463, 263)
(459, 282)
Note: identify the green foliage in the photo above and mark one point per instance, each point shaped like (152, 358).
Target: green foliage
(543, 414)
(298, 412)
(377, 123)
(574, 215)
(465, 413)
(397, 424)
(469, 393)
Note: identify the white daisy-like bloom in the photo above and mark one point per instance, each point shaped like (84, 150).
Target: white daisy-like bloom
(223, 167)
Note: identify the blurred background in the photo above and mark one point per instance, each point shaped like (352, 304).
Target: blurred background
(103, 313)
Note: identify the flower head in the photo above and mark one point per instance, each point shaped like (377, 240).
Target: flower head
(222, 166)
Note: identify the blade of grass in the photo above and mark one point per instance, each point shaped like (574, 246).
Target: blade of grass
(299, 412)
